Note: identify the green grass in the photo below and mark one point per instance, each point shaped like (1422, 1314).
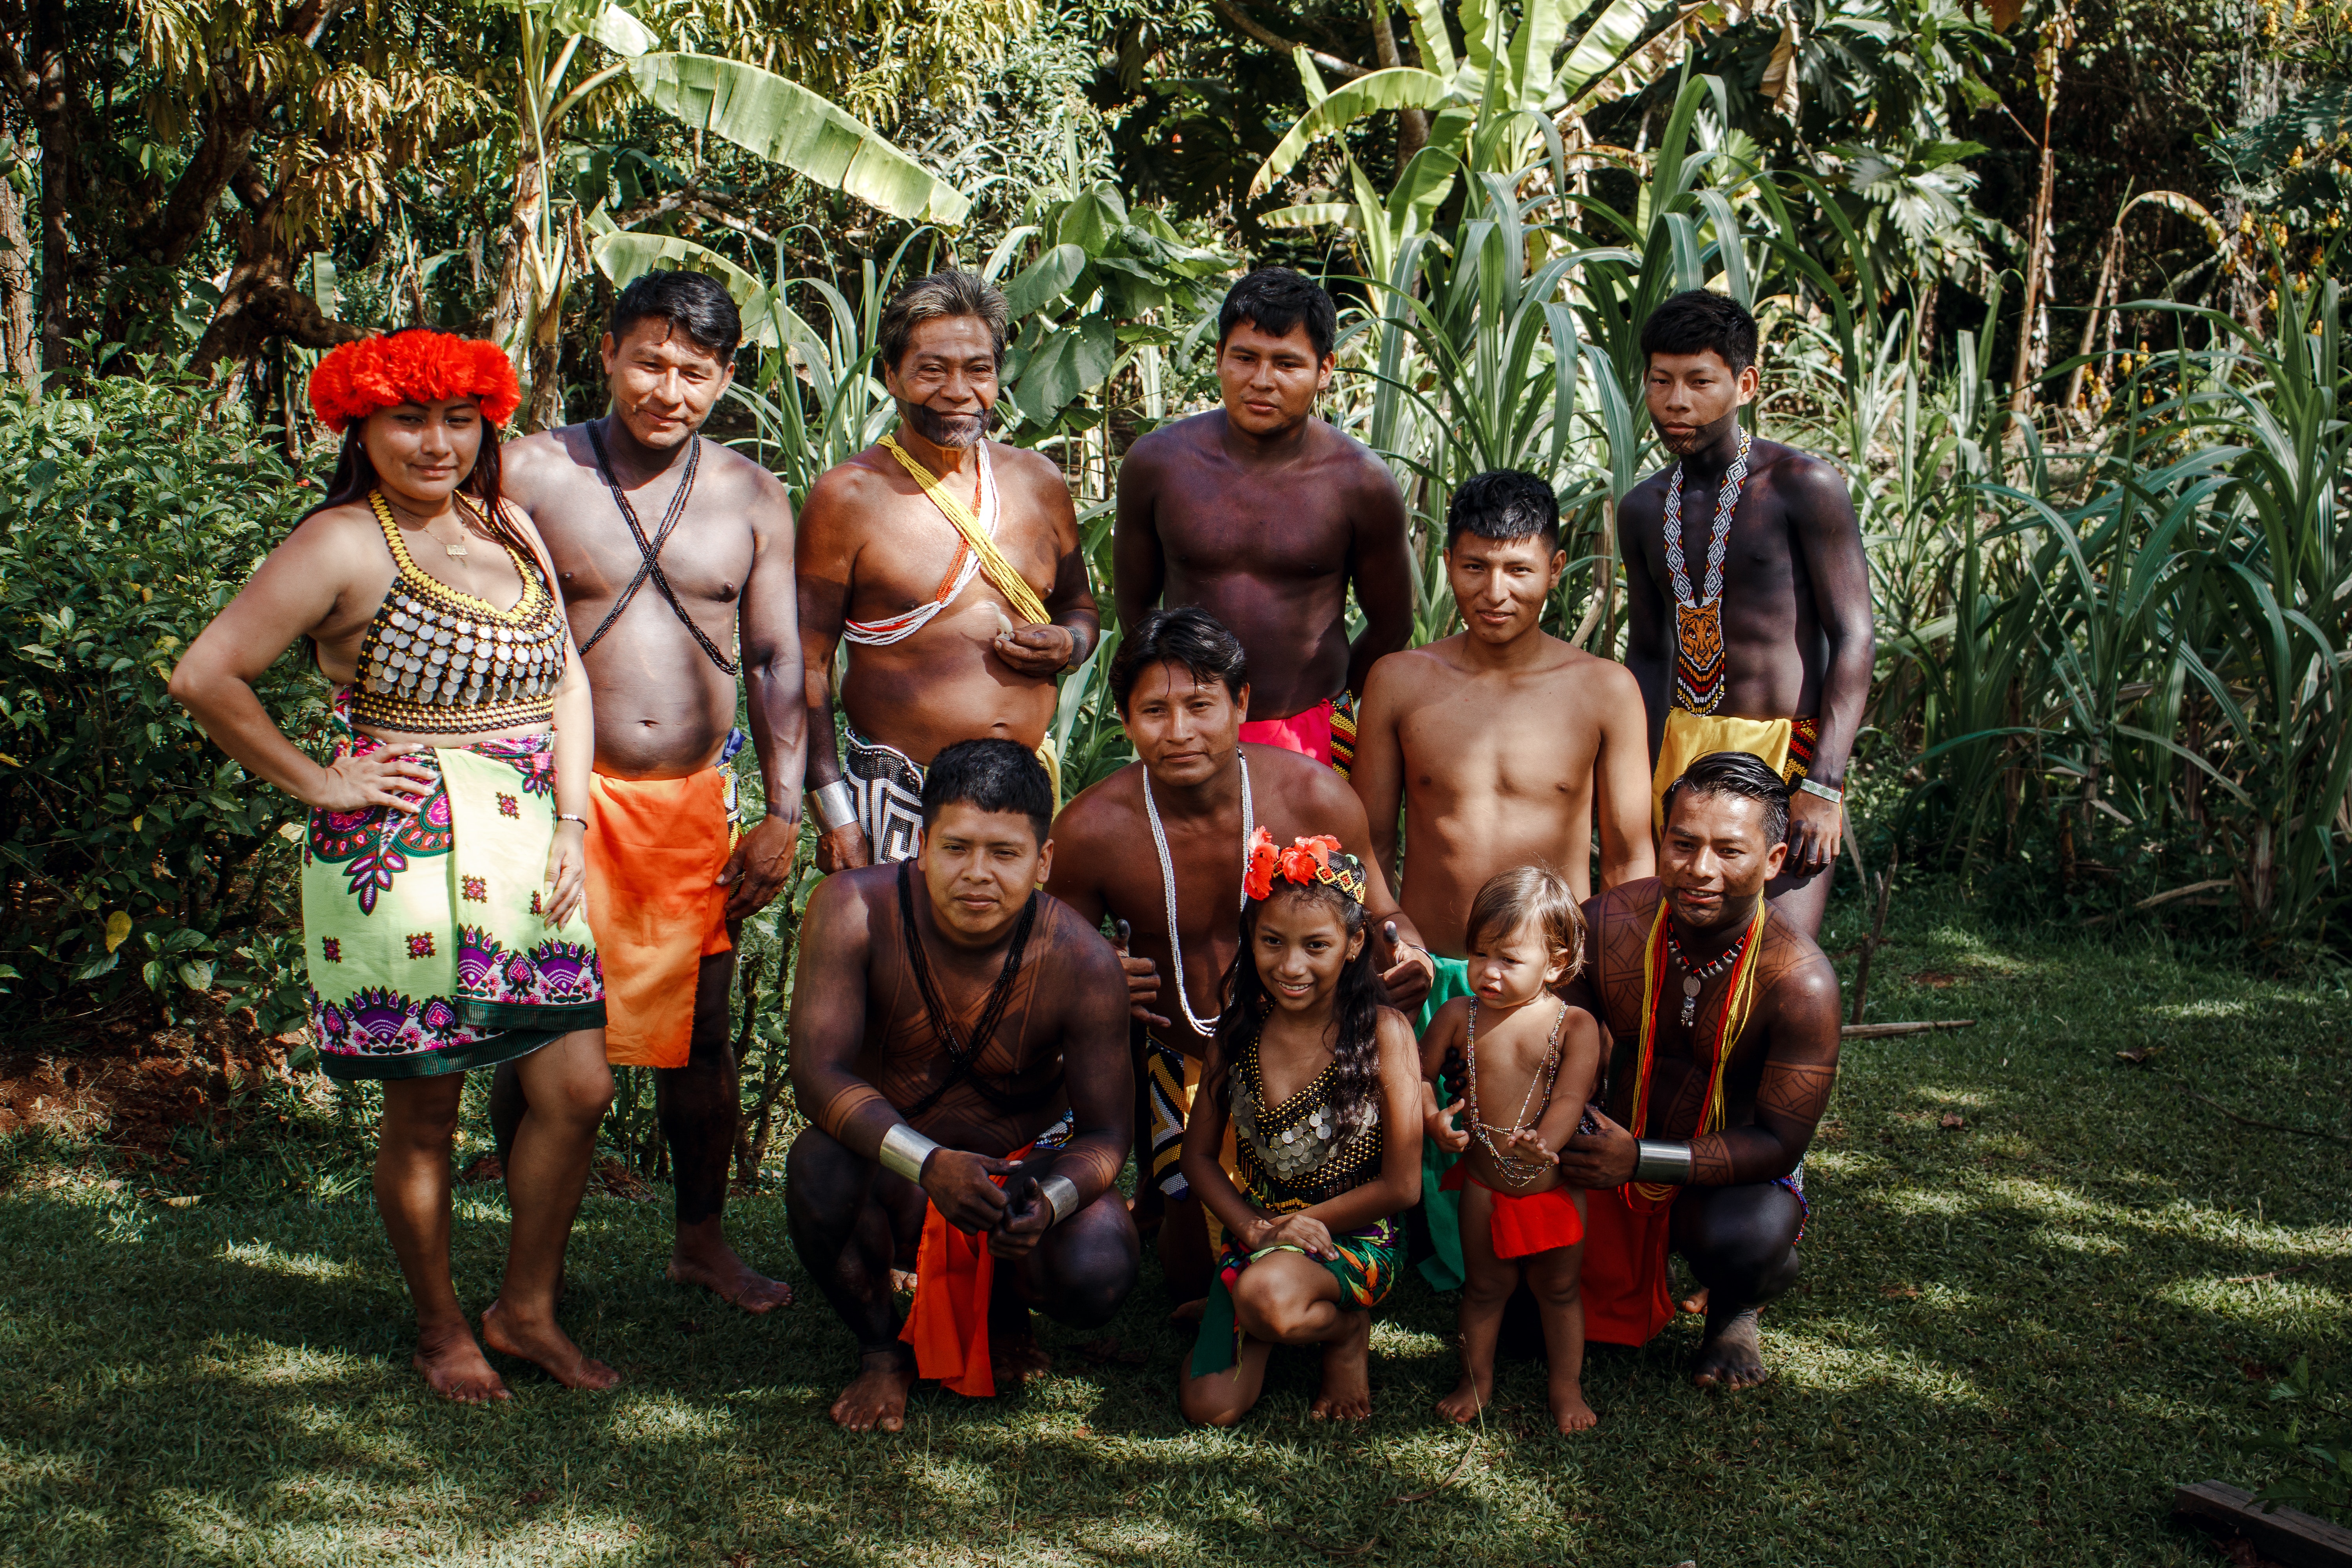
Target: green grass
(2013, 1339)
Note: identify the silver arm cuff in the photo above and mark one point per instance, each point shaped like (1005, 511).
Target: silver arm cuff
(835, 806)
(1063, 1194)
(904, 1150)
(1657, 1161)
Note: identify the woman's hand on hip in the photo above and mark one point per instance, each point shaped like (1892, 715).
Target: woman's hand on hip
(387, 776)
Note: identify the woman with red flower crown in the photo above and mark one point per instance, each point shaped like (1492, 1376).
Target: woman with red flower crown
(1321, 1080)
(442, 879)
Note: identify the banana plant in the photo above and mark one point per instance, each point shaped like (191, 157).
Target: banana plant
(547, 240)
(1497, 109)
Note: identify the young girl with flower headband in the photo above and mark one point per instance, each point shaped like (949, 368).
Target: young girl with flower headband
(442, 874)
(1320, 1081)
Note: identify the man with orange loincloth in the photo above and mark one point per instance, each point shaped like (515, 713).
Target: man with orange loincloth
(960, 1049)
(1723, 1023)
(1749, 596)
(669, 550)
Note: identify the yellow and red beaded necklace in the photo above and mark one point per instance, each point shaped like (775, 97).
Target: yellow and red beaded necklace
(1730, 1022)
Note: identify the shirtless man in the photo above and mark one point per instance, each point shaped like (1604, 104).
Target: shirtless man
(1182, 683)
(1738, 983)
(668, 549)
(1264, 516)
(959, 1044)
(952, 565)
(1770, 654)
(1505, 745)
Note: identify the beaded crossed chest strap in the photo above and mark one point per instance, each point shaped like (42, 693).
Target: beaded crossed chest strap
(438, 661)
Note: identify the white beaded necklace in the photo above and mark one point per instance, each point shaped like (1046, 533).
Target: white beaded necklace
(1168, 885)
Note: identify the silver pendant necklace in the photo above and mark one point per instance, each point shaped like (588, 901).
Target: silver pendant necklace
(1168, 885)
(1694, 978)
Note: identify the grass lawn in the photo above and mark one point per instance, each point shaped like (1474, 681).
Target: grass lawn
(2015, 1335)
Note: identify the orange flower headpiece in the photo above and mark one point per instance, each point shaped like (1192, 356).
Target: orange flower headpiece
(1306, 862)
(356, 379)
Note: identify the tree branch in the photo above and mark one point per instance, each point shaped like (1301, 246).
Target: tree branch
(1248, 24)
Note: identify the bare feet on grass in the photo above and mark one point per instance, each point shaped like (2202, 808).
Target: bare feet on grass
(877, 1399)
(455, 1368)
(1015, 1356)
(710, 1262)
(1347, 1393)
(1732, 1356)
(1695, 1303)
(1568, 1411)
(1462, 1406)
(545, 1346)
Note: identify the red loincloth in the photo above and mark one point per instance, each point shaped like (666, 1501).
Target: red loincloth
(1523, 1224)
(954, 1277)
(1623, 1283)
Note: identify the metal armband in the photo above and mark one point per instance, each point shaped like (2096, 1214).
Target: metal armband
(903, 1151)
(835, 806)
(1661, 1162)
(1063, 1194)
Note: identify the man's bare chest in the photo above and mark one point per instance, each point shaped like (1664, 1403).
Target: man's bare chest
(1263, 531)
(706, 558)
(1759, 552)
(1530, 740)
(909, 553)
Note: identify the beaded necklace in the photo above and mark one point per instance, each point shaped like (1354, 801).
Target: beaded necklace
(1731, 1023)
(1694, 978)
(1517, 1172)
(1168, 885)
(1698, 621)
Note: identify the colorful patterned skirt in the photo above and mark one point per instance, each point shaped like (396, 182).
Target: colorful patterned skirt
(429, 951)
(1366, 1269)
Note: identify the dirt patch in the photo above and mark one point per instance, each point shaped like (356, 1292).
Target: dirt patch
(125, 1075)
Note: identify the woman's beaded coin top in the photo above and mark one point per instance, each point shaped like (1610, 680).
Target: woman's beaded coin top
(439, 661)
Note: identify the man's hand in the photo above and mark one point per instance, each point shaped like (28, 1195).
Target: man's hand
(761, 866)
(1601, 1159)
(958, 1187)
(1439, 1126)
(1142, 980)
(843, 849)
(1815, 830)
(1036, 650)
(1411, 972)
(1027, 1217)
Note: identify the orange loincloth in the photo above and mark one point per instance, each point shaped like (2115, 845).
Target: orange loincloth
(655, 847)
(1623, 1283)
(954, 1275)
(1523, 1224)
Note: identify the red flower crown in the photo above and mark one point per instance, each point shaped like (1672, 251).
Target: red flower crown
(1306, 862)
(356, 379)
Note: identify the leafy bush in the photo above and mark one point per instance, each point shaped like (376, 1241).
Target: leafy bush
(134, 852)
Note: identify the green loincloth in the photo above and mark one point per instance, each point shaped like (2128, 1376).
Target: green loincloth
(1442, 1211)
(427, 948)
(1366, 1269)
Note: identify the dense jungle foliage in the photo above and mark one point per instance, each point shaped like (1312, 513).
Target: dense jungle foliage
(2059, 282)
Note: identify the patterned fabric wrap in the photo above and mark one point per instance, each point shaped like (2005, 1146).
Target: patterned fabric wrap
(1803, 733)
(1319, 1160)
(1343, 733)
(1366, 1269)
(1169, 1081)
(428, 948)
(888, 786)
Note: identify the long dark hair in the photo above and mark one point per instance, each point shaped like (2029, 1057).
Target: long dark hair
(1356, 1003)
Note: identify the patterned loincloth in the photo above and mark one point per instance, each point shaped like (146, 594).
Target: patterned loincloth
(1366, 1269)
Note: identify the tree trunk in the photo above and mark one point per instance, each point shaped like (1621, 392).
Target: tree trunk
(55, 113)
(512, 312)
(1412, 124)
(17, 283)
(261, 301)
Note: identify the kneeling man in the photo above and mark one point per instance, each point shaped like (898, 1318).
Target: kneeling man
(1724, 1022)
(959, 1046)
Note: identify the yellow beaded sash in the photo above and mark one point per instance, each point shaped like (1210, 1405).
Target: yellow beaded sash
(1730, 1022)
(993, 563)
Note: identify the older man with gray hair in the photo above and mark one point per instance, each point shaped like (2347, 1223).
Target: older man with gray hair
(950, 565)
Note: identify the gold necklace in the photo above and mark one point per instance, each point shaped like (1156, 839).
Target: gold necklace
(424, 526)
